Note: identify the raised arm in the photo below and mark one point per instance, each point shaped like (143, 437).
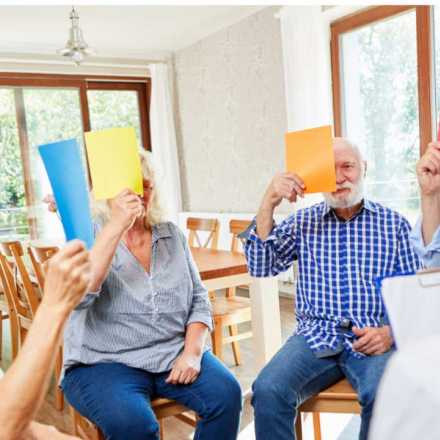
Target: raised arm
(25, 383)
(283, 186)
(428, 173)
(271, 249)
(125, 208)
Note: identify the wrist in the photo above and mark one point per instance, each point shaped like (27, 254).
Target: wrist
(54, 313)
(116, 227)
(193, 351)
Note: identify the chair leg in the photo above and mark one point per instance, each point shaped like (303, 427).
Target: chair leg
(233, 331)
(161, 433)
(1, 334)
(317, 426)
(15, 334)
(217, 341)
(59, 396)
(298, 427)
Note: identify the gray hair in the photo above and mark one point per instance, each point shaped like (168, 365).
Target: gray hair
(154, 214)
(354, 147)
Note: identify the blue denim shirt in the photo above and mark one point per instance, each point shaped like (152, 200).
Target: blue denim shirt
(139, 318)
(430, 253)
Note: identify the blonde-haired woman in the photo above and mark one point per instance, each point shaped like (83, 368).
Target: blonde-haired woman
(141, 332)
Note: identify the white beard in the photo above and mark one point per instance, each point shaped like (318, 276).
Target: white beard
(354, 197)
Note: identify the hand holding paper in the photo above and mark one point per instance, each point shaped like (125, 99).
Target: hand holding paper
(309, 154)
(64, 167)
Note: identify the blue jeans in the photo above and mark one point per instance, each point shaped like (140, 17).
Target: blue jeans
(295, 374)
(117, 399)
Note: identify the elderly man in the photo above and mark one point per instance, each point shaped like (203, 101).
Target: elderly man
(342, 245)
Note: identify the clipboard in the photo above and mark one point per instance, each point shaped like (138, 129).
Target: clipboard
(413, 305)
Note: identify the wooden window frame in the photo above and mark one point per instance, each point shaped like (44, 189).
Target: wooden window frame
(90, 82)
(424, 62)
(83, 83)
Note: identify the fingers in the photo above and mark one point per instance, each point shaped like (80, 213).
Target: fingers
(430, 161)
(363, 341)
(183, 377)
(173, 377)
(359, 331)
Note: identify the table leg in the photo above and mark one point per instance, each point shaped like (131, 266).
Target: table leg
(266, 320)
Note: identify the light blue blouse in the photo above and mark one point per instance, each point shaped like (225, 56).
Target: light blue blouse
(429, 253)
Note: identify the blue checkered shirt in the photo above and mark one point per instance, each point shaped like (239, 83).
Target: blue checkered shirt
(338, 264)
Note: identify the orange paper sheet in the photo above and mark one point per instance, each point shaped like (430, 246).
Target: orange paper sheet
(309, 153)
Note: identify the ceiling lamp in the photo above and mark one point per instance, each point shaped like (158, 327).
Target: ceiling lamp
(76, 48)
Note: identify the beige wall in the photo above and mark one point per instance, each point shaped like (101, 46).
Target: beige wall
(231, 115)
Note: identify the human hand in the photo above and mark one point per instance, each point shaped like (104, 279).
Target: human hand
(185, 370)
(68, 276)
(51, 204)
(428, 170)
(283, 186)
(126, 207)
(372, 340)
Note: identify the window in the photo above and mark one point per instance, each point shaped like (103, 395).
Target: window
(380, 65)
(40, 109)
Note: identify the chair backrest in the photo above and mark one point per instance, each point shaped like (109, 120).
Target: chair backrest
(209, 225)
(38, 256)
(14, 249)
(235, 228)
(19, 305)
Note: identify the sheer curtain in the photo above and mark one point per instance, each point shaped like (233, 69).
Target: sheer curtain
(163, 140)
(306, 56)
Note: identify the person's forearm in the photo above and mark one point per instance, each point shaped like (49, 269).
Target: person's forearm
(431, 216)
(102, 253)
(195, 338)
(23, 388)
(264, 220)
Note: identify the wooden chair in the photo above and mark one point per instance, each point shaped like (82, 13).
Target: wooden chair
(38, 255)
(163, 408)
(4, 315)
(339, 398)
(228, 311)
(209, 225)
(26, 299)
(7, 285)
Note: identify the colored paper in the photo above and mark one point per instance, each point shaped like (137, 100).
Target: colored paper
(64, 167)
(309, 154)
(114, 162)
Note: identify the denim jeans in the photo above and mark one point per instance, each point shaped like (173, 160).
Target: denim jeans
(295, 374)
(117, 399)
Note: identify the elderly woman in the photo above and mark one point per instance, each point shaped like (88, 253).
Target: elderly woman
(141, 331)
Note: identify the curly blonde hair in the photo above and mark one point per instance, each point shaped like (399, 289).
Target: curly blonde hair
(155, 213)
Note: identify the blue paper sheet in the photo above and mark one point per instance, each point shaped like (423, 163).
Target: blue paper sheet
(64, 167)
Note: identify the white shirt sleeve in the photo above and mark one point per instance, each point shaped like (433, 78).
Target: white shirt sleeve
(430, 253)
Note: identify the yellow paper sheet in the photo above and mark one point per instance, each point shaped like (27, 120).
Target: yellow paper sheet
(114, 162)
(309, 153)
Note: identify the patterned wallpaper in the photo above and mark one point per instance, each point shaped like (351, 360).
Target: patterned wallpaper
(231, 115)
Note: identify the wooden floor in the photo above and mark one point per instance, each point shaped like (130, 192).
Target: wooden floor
(173, 428)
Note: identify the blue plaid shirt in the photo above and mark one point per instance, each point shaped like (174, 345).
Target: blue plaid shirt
(338, 264)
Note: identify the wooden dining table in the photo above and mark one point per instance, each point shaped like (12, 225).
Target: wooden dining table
(220, 269)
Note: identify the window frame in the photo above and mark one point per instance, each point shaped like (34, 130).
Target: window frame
(83, 83)
(425, 86)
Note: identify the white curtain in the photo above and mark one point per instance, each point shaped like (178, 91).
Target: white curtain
(307, 77)
(306, 54)
(163, 140)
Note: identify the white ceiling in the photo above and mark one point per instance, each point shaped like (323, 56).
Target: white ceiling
(144, 32)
